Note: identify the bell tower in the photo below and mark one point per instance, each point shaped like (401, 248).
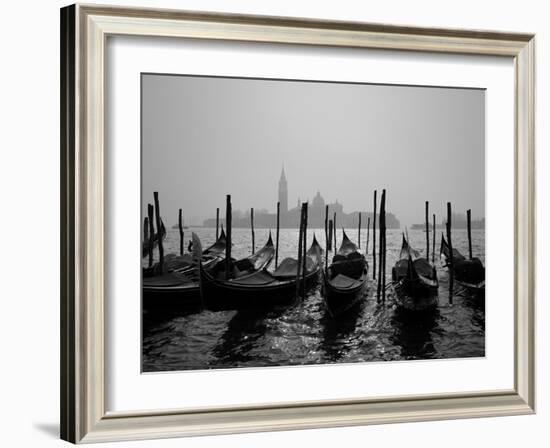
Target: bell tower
(283, 192)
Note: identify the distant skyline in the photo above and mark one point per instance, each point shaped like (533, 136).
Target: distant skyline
(203, 138)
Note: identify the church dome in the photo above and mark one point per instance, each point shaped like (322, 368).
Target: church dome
(318, 201)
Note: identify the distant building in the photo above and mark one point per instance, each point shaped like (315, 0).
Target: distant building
(283, 192)
(458, 221)
(290, 218)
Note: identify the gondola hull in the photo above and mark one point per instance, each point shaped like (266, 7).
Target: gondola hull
(414, 280)
(179, 297)
(220, 295)
(469, 273)
(341, 300)
(415, 294)
(474, 289)
(180, 290)
(345, 280)
(261, 289)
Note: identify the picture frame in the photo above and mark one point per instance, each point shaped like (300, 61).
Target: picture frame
(84, 417)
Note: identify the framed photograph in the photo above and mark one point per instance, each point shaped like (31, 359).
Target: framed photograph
(277, 223)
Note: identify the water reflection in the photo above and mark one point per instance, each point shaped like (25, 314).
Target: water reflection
(476, 302)
(241, 340)
(413, 332)
(339, 331)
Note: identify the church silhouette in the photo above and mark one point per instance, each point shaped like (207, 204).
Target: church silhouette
(290, 217)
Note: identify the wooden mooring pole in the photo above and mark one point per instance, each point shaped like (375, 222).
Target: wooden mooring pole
(146, 230)
(252, 230)
(330, 229)
(469, 219)
(159, 233)
(326, 236)
(304, 249)
(374, 239)
(359, 232)
(180, 225)
(334, 230)
(150, 213)
(299, 264)
(433, 240)
(380, 246)
(368, 234)
(277, 235)
(451, 263)
(428, 232)
(228, 225)
(217, 222)
(384, 247)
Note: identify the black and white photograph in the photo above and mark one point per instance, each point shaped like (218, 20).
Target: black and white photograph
(273, 223)
(300, 222)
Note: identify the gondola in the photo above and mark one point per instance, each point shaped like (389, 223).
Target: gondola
(414, 280)
(261, 290)
(181, 289)
(468, 273)
(145, 245)
(345, 279)
(184, 263)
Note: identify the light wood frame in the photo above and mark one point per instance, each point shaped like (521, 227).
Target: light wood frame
(84, 29)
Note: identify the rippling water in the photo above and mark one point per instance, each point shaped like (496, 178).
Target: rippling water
(304, 333)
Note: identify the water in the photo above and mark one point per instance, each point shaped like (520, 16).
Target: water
(305, 334)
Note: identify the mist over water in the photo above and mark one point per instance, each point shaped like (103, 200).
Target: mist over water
(305, 334)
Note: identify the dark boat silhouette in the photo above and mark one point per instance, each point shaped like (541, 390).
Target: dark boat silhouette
(468, 273)
(184, 263)
(414, 280)
(344, 281)
(262, 289)
(181, 288)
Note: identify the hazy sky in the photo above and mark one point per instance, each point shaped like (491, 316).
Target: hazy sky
(203, 138)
